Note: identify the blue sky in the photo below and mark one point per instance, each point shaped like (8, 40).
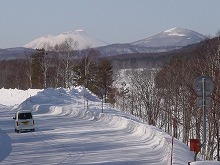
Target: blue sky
(113, 21)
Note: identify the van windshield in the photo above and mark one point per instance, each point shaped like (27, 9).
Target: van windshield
(24, 116)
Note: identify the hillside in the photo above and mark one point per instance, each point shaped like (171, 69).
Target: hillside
(175, 37)
(139, 60)
(171, 39)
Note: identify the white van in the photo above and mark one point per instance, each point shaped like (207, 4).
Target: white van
(24, 121)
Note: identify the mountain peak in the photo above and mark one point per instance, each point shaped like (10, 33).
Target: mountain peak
(78, 31)
(174, 37)
(173, 29)
(176, 31)
(80, 36)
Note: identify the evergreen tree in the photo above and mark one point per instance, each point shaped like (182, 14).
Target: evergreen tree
(86, 68)
(37, 78)
(104, 79)
(96, 74)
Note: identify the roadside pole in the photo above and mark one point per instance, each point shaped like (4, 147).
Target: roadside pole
(204, 111)
(102, 91)
(174, 131)
(171, 159)
(203, 87)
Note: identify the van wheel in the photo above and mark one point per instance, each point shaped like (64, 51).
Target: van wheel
(33, 130)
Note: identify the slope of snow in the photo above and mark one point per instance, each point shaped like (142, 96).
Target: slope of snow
(172, 37)
(80, 37)
(175, 31)
(12, 97)
(67, 132)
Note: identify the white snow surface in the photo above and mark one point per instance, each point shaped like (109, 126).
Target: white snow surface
(174, 32)
(79, 36)
(67, 132)
(171, 30)
(205, 163)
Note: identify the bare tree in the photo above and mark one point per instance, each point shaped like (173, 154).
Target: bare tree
(66, 54)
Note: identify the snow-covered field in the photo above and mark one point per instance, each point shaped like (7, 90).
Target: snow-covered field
(69, 132)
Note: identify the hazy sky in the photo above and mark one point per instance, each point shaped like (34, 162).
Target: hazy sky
(113, 21)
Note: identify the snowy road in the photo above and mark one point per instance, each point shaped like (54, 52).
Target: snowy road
(67, 133)
(68, 138)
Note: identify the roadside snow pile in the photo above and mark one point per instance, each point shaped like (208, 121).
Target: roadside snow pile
(11, 97)
(59, 102)
(205, 163)
(50, 97)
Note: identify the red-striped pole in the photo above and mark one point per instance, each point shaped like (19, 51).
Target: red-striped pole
(171, 161)
(174, 131)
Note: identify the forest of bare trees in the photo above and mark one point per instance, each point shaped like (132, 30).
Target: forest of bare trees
(164, 97)
(59, 66)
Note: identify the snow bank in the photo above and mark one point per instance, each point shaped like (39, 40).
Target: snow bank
(11, 97)
(59, 102)
(205, 163)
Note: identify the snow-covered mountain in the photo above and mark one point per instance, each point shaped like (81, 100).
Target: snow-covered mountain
(168, 40)
(175, 37)
(79, 37)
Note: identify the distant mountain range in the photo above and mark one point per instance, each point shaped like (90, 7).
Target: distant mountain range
(168, 40)
(14, 53)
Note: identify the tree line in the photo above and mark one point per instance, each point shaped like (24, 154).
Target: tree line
(164, 96)
(60, 66)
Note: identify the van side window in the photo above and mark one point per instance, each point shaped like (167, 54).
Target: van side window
(24, 116)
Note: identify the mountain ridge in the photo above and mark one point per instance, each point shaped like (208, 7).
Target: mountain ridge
(174, 37)
(171, 37)
(168, 40)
